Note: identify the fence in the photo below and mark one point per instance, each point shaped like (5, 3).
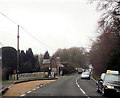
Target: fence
(26, 76)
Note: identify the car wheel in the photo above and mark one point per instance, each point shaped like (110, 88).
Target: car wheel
(98, 89)
(104, 93)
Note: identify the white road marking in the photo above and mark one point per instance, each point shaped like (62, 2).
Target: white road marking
(93, 79)
(22, 95)
(29, 92)
(83, 91)
(37, 87)
(41, 85)
(34, 89)
(81, 88)
(77, 82)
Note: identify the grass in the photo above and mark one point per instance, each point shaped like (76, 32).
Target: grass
(41, 78)
(5, 81)
(94, 76)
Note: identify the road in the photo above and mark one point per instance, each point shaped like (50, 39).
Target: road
(71, 85)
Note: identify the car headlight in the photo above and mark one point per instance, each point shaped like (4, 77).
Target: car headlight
(109, 86)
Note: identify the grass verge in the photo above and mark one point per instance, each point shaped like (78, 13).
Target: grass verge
(41, 78)
(94, 76)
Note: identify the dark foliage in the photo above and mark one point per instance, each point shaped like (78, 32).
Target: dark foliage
(9, 61)
(68, 68)
(28, 62)
(46, 55)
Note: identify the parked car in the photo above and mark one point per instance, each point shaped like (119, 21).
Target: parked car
(108, 83)
(85, 75)
(80, 70)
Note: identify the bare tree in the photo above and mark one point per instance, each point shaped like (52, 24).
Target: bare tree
(107, 46)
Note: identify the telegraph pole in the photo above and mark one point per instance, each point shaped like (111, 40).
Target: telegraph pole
(18, 53)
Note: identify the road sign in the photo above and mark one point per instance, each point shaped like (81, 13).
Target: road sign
(52, 74)
(112, 72)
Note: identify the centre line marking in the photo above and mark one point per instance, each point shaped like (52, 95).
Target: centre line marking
(81, 88)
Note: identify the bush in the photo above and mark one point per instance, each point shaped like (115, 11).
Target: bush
(68, 68)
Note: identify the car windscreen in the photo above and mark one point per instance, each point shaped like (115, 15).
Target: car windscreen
(85, 73)
(112, 78)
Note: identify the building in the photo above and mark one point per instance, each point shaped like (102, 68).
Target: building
(54, 65)
(46, 63)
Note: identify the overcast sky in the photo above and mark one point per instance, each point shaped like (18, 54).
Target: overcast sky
(54, 24)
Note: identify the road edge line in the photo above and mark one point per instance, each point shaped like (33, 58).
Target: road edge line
(94, 79)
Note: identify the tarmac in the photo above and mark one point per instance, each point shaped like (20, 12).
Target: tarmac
(9, 84)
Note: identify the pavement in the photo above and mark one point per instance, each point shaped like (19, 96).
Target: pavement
(7, 85)
(21, 88)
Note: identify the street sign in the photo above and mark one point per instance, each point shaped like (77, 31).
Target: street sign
(46, 61)
(52, 74)
(112, 72)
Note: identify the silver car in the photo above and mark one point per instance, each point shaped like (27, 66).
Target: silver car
(85, 75)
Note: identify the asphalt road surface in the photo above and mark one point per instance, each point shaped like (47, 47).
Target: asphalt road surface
(71, 85)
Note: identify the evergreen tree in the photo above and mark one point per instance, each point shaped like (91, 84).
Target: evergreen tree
(9, 61)
(46, 55)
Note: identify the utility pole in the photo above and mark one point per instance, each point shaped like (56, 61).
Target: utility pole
(58, 63)
(18, 53)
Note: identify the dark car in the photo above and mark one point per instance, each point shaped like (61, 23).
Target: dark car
(108, 83)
